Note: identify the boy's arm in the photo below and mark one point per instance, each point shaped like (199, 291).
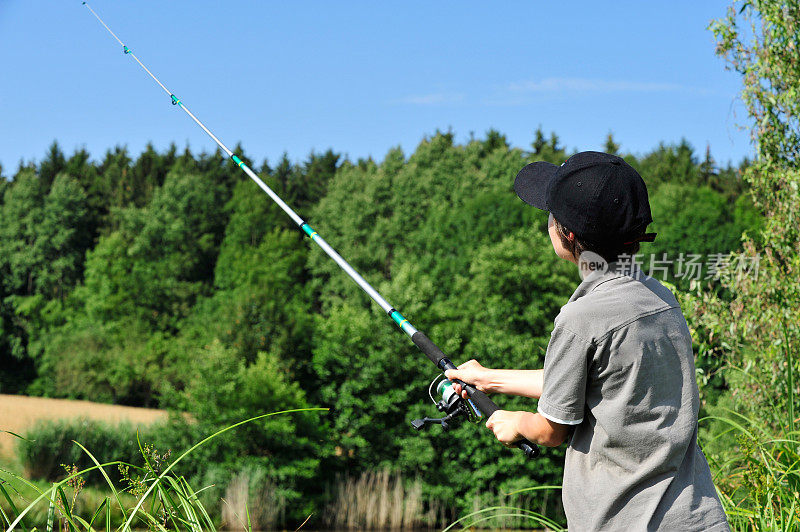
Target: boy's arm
(524, 382)
(509, 427)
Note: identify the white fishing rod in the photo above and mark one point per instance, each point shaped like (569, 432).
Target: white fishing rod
(452, 405)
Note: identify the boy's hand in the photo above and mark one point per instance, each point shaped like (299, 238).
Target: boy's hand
(470, 372)
(506, 426)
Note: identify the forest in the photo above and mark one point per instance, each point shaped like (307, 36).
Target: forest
(166, 279)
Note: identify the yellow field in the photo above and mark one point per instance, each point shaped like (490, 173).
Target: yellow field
(18, 413)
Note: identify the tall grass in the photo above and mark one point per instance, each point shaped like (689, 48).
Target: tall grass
(512, 511)
(378, 500)
(253, 503)
(755, 456)
(162, 499)
(758, 477)
(155, 497)
(375, 500)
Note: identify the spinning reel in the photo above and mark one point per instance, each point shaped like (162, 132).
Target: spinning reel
(456, 408)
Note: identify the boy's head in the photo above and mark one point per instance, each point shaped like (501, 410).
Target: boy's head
(597, 202)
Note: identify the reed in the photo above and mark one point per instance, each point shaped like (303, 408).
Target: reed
(380, 500)
(252, 503)
(376, 500)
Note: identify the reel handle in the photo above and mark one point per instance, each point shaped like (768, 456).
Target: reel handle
(481, 400)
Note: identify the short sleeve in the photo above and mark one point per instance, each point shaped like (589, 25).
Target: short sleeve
(566, 366)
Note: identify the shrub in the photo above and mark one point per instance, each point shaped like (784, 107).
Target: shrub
(52, 445)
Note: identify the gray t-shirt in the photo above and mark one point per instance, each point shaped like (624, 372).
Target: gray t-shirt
(620, 368)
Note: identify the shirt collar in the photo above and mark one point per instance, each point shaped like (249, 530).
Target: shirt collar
(615, 270)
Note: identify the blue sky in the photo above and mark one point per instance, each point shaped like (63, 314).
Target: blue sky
(362, 77)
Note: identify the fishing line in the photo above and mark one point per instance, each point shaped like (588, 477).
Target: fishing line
(478, 398)
(401, 321)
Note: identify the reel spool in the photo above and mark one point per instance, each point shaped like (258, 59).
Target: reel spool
(453, 405)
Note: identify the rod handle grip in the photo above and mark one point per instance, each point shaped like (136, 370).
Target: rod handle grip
(488, 407)
(429, 348)
(481, 400)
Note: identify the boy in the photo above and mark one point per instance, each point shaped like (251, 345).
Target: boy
(619, 377)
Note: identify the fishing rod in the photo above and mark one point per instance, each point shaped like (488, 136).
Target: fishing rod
(454, 407)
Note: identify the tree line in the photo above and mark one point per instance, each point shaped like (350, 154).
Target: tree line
(169, 280)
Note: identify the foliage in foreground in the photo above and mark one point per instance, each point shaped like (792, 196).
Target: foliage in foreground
(759, 483)
(154, 496)
(49, 445)
(752, 438)
(161, 499)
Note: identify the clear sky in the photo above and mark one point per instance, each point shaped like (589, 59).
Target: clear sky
(362, 77)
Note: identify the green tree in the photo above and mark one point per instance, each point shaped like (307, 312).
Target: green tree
(444, 238)
(261, 301)
(669, 163)
(147, 173)
(115, 187)
(61, 242)
(16, 368)
(708, 168)
(547, 150)
(43, 238)
(539, 141)
(222, 171)
(21, 251)
(305, 185)
(42, 247)
(20, 211)
(289, 449)
(66, 237)
(494, 141)
(141, 281)
(80, 167)
(611, 145)
(161, 259)
(695, 221)
(53, 164)
(757, 40)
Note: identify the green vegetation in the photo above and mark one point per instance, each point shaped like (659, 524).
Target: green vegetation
(168, 280)
(51, 445)
(155, 496)
(756, 330)
(195, 293)
(149, 495)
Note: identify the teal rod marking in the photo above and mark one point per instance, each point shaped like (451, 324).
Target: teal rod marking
(398, 318)
(309, 231)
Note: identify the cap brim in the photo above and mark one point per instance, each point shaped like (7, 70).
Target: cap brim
(532, 181)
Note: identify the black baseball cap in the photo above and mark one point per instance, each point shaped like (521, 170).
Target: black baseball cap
(597, 196)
